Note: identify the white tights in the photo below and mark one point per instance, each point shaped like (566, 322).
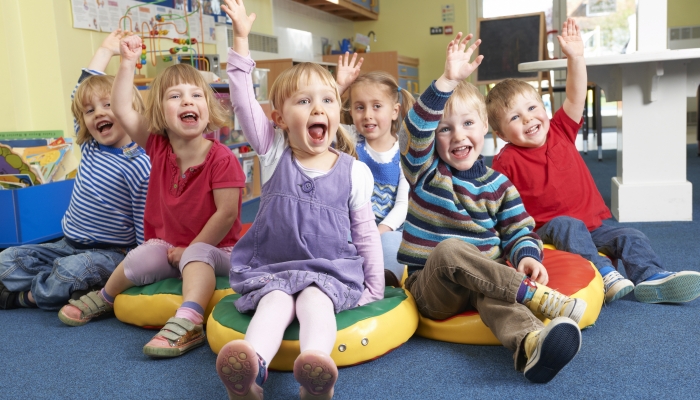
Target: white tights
(277, 310)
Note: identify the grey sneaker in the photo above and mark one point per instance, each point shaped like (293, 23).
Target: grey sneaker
(616, 286)
(677, 287)
(557, 345)
(552, 304)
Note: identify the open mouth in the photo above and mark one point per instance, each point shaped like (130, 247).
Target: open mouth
(189, 117)
(104, 126)
(533, 130)
(370, 127)
(461, 152)
(317, 132)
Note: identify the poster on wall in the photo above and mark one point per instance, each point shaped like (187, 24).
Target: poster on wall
(140, 17)
(85, 14)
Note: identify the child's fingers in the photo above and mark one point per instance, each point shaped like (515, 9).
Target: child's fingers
(353, 60)
(359, 64)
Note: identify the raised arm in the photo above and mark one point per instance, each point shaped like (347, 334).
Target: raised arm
(108, 49)
(256, 127)
(576, 75)
(134, 124)
(348, 71)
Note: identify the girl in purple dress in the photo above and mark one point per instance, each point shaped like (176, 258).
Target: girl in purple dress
(295, 261)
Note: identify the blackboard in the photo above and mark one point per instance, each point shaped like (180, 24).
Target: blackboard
(507, 42)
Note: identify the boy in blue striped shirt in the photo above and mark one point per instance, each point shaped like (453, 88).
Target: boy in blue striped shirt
(105, 215)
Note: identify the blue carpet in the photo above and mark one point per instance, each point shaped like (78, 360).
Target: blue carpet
(634, 351)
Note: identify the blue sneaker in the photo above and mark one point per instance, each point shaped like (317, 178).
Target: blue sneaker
(616, 286)
(678, 287)
(549, 350)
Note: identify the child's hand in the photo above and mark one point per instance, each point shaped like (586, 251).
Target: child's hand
(457, 65)
(534, 269)
(111, 42)
(242, 22)
(130, 48)
(174, 256)
(570, 39)
(348, 71)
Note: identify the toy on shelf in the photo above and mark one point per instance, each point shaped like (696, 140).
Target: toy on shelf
(155, 31)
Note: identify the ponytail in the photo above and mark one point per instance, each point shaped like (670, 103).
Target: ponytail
(343, 142)
(406, 101)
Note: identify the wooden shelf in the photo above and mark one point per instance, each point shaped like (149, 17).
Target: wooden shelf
(342, 8)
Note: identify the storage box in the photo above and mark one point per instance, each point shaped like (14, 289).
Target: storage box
(33, 214)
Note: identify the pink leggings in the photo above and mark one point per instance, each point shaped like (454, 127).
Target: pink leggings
(276, 310)
(148, 262)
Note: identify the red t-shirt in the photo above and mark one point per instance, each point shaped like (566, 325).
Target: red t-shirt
(179, 205)
(553, 180)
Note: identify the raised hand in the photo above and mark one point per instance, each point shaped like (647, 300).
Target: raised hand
(130, 48)
(457, 62)
(570, 39)
(111, 42)
(241, 21)
(348, 71)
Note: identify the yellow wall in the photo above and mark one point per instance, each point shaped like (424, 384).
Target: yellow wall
(683, 13)
(44, 58)
(404, 26)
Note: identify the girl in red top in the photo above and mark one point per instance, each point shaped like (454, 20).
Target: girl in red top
(192, 216)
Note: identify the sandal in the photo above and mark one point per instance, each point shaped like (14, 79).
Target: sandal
(317, 373)
(178, 336)
(7, 298)
(80, 312)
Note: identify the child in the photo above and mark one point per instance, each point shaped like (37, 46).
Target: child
(558, 191)
(193, 204)
(105, 215)
(464, 220)
(378, 105)
(296, 261)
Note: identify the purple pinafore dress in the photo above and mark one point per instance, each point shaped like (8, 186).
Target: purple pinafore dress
(300, 238)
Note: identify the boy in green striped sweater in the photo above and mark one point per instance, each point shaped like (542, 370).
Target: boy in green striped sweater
(465, 220)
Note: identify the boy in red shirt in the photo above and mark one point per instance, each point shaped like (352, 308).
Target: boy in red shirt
(557, 189)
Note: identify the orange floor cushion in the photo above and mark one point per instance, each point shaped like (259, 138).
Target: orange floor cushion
(569, 274)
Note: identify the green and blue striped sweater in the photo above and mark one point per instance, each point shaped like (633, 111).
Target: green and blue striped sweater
(480, 205)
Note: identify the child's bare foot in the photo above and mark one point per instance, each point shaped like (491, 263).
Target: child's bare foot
(317, 373)
(241, 370)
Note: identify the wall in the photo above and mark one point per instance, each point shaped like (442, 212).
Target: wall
(683, 13)
(46, 55)
(404, 26)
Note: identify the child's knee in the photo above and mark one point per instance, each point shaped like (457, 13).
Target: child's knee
(201, 252)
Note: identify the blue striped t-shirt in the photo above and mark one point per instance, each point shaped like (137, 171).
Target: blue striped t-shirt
(109, 196)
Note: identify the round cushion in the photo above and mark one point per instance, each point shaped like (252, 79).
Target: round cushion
(569, 274)
(152, 305)
(364, 333)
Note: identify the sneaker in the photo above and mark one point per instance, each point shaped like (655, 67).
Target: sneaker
(241, 370)
(317, 373)
(616, 286)
(552, 304)
(551, 349)
(7, 298)
(677, 287)
(80, 312)
(177, 337)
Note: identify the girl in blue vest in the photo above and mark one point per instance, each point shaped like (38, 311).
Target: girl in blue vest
(378, 105)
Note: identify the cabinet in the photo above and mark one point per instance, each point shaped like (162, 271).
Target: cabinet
(403, 69)
(354, 10)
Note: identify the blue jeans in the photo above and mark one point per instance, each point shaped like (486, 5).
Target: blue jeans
(390, 246)
(52, 271)
(629, 245)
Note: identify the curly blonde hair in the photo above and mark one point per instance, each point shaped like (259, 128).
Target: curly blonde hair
(101, 86)
(290, 80)
(175, 75)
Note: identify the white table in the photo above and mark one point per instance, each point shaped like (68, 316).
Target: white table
(651, 90)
